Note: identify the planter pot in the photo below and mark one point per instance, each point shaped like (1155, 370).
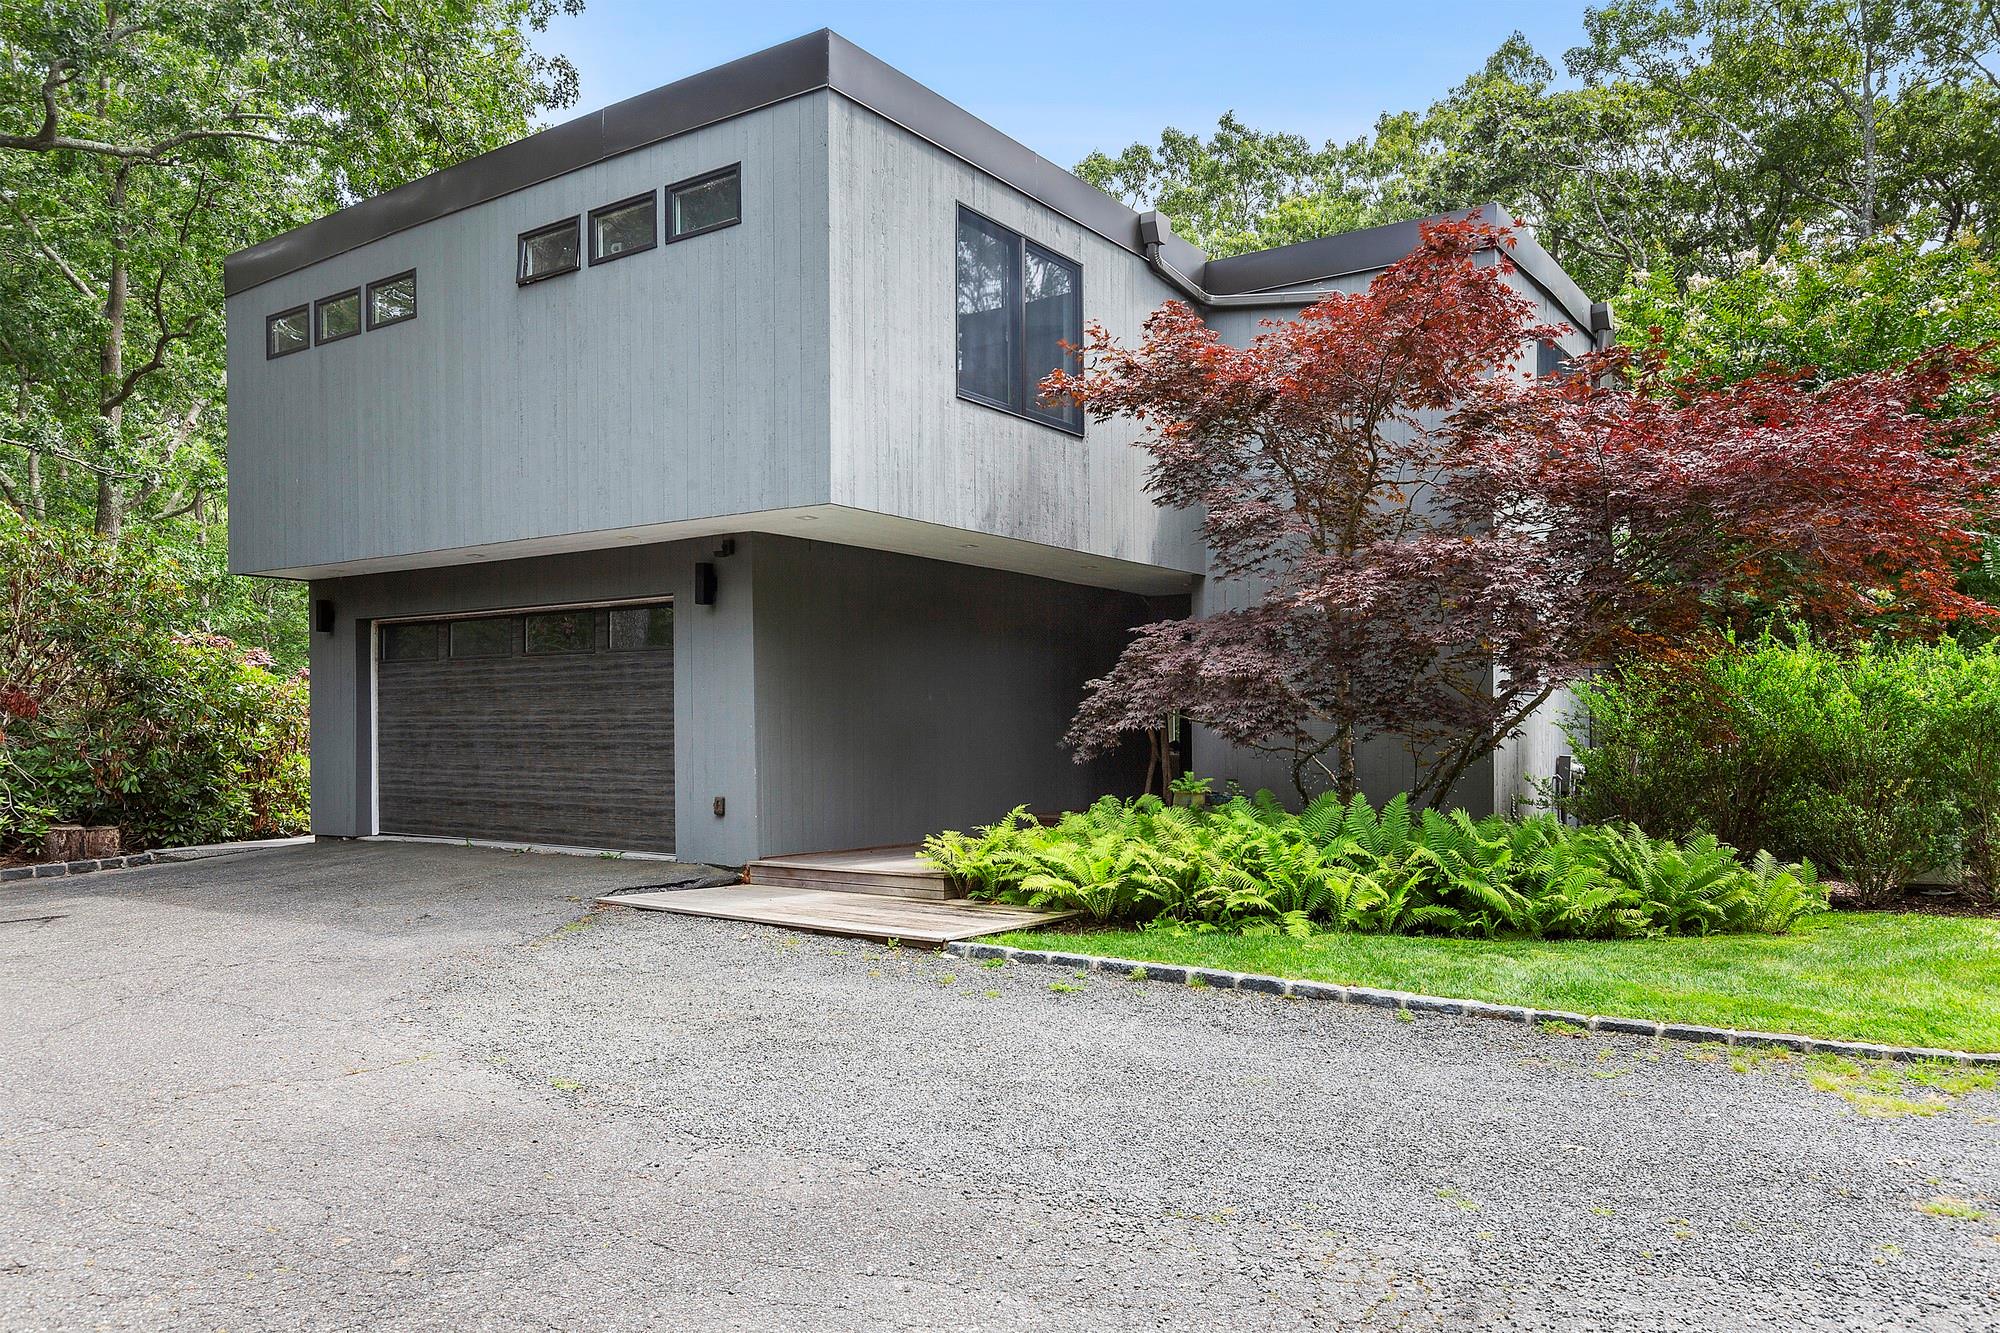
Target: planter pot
(1192, 799)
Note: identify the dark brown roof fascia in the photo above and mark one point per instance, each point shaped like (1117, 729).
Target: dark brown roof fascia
(806, 64)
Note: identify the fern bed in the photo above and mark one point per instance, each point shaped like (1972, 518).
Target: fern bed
(1903, 979)
(1249, 865)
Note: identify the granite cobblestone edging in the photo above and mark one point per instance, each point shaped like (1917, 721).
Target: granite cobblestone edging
(52, 869)
(1212, 978)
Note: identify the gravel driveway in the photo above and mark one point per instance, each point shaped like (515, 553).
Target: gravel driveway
(392, 1086)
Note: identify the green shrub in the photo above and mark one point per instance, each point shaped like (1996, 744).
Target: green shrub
(1249, 865)
(108, 715)
(1882, 763)
(1966, 741)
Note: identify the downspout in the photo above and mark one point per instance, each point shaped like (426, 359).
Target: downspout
(1603, 332)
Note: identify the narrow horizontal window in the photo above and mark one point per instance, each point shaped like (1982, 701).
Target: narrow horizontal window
(562, 632)
(549, 252)
(337, 316)
(392, 300)
(641, 628)
(410, 643)
(705, 203)
(288, 331)
(624, 228)
(489, 636)
(1019, 317)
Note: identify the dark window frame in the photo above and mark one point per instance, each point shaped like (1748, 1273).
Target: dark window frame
(1028, 409)
(271, 319)
(667, 223)
(319, 338)
(521, 278)
(368, 301)
(590, 228)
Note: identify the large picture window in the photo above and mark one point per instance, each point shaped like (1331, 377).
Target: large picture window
(1019, 304)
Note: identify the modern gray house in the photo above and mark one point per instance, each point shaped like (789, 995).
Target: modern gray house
(672, 480)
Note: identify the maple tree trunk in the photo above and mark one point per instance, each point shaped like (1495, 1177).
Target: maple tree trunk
(1345, 778)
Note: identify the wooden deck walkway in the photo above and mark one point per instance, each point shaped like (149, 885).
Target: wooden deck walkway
(870, 916)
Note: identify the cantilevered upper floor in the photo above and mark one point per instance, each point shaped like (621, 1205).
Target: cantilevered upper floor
(799, 293)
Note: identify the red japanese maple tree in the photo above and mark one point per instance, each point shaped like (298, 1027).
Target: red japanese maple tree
(1431, 543)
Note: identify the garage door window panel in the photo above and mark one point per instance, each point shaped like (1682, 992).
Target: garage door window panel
(410, 643)
(562, 632)
(642, 629)
(497, 636)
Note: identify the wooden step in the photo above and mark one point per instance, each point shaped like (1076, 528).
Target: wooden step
(869, 916)
(914, 890)
(889, 872)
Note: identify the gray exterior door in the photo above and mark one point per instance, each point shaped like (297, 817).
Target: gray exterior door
(551, 727)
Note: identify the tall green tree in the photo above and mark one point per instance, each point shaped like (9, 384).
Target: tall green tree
(1584, 165)
(140, 142)
(1823, 312)
(1845, 116)
(1685, 136)
(1241, 188)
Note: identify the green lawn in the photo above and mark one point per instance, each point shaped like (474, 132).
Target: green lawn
(1864, 976)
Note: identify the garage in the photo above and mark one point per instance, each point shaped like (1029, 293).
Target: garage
(552, 726)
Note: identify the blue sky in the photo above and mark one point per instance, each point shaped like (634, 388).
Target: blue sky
(1066, 78)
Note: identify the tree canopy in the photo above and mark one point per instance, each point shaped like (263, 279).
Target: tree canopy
(140, 143)
(1686, 136)
(1434, 543)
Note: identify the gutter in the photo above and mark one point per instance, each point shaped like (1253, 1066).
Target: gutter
(1157, 241)
(1156, 235)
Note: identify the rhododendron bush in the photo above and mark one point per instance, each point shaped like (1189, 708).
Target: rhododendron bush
(107, 716)
(1438, 542)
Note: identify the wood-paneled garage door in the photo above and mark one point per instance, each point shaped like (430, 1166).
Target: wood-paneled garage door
(552, 727)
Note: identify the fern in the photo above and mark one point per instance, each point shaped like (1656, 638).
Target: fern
(1345, 865)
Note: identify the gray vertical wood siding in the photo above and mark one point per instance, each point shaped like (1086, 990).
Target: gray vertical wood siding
(903, 442)
(687, 381)
(711, 713)
(899, 696)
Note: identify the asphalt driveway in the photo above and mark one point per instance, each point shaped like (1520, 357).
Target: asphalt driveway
(391, 1086)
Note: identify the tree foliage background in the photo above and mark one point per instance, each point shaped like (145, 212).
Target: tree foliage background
(1694, 137)
(1795, 198)
(1810, 183)
(140, 142)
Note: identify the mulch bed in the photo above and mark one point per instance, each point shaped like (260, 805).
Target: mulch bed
(1929, 902)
